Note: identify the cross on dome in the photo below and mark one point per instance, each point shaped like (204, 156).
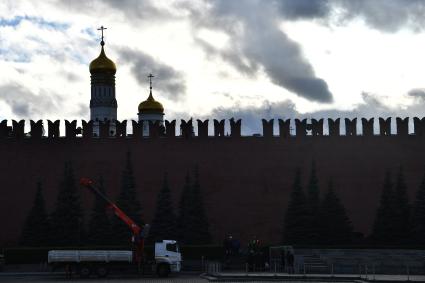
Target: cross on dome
(150, 82)
(101, 29)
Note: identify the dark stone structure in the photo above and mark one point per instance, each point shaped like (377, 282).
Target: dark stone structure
(351, 127)
(267, 128)
(218, 128)
(245, 181)
(54, 128)
(367, 126)
(333, 126)
(186, 128)
(317, 127)
(170, 128)
(202, 128)
(121, 128)
(402, 126)
(235, 127)
(18, 129)
(284, 128)
(36, 129)
(301, 127)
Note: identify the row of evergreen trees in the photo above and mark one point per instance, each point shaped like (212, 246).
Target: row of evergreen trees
(397, 220)
(65, 225)
(310, 220)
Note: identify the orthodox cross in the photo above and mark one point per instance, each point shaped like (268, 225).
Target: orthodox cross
(101, 29)
(150, 81)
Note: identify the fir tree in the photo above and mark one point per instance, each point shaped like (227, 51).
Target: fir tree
(128, 202)
(313, 197)
(401, 209)
(164, 222)
(295, 223)
(184, 224)
(200, 232)
(335, 226)
(418, 216)
(100, 230)
(383, 229)
(36, 227)
(313, 204)
(193, 223)
(67, 222)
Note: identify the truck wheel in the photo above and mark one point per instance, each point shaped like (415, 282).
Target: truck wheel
(84, 271)
(163, 270)
(102, 271)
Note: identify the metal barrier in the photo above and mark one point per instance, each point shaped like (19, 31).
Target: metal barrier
(212, 267)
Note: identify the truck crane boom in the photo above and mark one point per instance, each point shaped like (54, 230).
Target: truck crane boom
(88, 183)
(138, 233)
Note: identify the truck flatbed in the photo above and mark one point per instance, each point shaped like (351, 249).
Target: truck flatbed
(63, 256)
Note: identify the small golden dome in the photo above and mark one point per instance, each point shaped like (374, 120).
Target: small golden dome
(102, 64)
(150, 105)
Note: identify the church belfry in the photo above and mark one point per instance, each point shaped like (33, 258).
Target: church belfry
(150, 110)
(103, 104)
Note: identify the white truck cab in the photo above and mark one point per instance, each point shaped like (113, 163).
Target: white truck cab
(167, 257)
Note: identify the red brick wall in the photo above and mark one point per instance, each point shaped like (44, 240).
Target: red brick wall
(245, 181)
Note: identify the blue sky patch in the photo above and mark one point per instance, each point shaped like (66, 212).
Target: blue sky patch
(37, 20)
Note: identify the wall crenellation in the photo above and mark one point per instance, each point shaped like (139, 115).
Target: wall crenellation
(303, 128)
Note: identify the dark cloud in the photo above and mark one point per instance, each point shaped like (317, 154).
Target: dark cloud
(138, 10)
(257, 42)
(301, 9)
(135, 11)
(167, 79)
(385, 15)
(26, 104)
(417, 92)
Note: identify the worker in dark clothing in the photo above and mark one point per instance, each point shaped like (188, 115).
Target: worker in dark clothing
(227, 246)
(283, 259)
(290, 261)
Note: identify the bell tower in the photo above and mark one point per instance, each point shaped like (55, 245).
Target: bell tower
(150, 110)
(103, 104)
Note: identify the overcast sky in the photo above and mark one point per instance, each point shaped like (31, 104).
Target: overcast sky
(217, 59)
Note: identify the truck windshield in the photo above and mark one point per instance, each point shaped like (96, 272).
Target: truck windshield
(172, 247)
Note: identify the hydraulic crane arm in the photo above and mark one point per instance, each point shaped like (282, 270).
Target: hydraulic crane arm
(86, 182)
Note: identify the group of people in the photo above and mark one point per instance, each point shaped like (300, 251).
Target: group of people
(255, 257)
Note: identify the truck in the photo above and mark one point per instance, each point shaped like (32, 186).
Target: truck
(166, 257)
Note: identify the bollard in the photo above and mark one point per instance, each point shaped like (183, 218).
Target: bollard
(408, 272)
(373, 272)
(246, 267)
(365, 270)
(332, 269)
(202, 263)
(275, 269)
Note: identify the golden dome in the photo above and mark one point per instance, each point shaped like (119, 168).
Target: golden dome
(150, 105)
(102, 64)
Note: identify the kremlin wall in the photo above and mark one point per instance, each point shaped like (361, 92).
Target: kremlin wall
(245, 180)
